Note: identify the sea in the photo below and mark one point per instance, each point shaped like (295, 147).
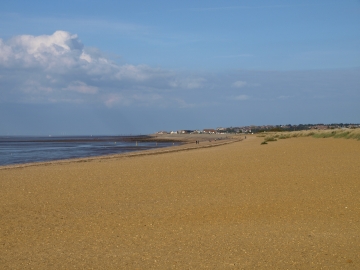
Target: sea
(25, 149)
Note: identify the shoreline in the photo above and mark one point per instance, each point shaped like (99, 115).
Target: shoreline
(186, 141)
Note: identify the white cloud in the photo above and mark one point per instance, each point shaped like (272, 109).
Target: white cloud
(5, 52)
(81, 87)
(134, 72)
(60, 65)
(58, 43)
(47, 51)
(58, 68)
(62, 53)
(239, 84)
(86, 57)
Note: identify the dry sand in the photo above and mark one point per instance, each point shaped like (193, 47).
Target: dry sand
(291, 204)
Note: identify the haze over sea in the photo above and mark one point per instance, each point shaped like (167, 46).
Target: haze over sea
(25, 149)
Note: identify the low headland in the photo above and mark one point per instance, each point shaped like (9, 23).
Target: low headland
(229, 203)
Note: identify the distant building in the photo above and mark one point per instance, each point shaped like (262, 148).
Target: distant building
(209, 130)
(184, 131)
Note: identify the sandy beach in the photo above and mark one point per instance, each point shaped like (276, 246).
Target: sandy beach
(290, 204)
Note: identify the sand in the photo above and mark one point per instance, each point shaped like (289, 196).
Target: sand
(290, 204)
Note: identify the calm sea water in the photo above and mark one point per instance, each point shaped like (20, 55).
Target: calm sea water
(17, 150)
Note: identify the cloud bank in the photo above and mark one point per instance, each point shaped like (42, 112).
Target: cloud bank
(59, 68)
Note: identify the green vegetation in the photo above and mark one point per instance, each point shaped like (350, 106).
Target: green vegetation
(331, 133)
(284, 136)
(270, 139)
(323, 135)
(300, 127)
(339, 133)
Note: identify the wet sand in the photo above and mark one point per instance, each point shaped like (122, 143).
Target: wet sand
(290, 204)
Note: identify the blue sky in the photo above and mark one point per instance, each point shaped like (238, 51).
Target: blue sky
(130, 67)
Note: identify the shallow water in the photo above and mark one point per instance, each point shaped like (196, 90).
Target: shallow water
(18, 150)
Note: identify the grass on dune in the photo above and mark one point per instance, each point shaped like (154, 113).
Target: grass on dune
(331, 133)
(338, 133)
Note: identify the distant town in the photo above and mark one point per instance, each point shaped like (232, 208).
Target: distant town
(264, 128)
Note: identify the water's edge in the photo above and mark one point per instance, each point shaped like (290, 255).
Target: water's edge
(23, 150)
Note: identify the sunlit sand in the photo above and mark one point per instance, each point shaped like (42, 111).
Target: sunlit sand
(290, 204)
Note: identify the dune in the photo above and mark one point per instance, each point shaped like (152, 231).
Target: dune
(290, 204)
